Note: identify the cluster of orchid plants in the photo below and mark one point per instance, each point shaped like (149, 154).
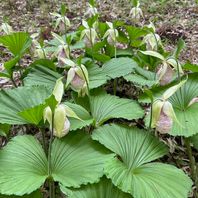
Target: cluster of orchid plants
(80, 135)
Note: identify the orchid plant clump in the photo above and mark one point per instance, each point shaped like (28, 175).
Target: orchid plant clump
(84, 136)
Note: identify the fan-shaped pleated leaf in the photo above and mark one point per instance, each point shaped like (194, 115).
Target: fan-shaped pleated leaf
(186, 113)
(23, 166)
(105, 107)
(118, 67)
(139, 80)
(76, 160)
(40, 75)
(113, 68)
(18, 106)
(82, 114)
(132, 172)
(36, 194)
(141, 77)
(103, 189)
(17, 42)
(96, 76)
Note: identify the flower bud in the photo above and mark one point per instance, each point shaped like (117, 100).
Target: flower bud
(61, 122)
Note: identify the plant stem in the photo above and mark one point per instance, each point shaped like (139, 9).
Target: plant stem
(151, 116)
(13, 82)
(86, 80)
(43, 140)
(115, 80)
(191, 158)
(51, 182)
(91, 45)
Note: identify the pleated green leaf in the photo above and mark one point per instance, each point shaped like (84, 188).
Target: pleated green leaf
(132, 171)
(77, 160)
(105, 107)
(40, 75)
(21, 105)
(17, 42)
(103, 189)
(113, 68)
(36, 194)
(141, 77)
(118, 67)
(96, 76)
(187, 115)
(23, 166)
(82, 114)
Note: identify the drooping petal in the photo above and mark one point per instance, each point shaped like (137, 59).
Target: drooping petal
(58, 90)
(70, 75)
(157, 108)
(47, 115)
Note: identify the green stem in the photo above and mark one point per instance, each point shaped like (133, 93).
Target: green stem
(151, 116)
(51, 182)
(115, 80)
(91, 45)
(44, 52)
(13, 82)
(43, 139)
(86, 80)
(191, 158)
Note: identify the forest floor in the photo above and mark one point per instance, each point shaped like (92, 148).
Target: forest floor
(174, 19)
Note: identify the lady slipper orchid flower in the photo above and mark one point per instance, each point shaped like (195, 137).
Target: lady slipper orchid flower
(136, 12)
(89, 34)
(63, 51)
(165, 74)
(111, 34)
(6, 28)
(61, 22)
(58, 120)
(163, 112)
(152, 40)
(91, 11)
(168, 67)
(77, 77)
